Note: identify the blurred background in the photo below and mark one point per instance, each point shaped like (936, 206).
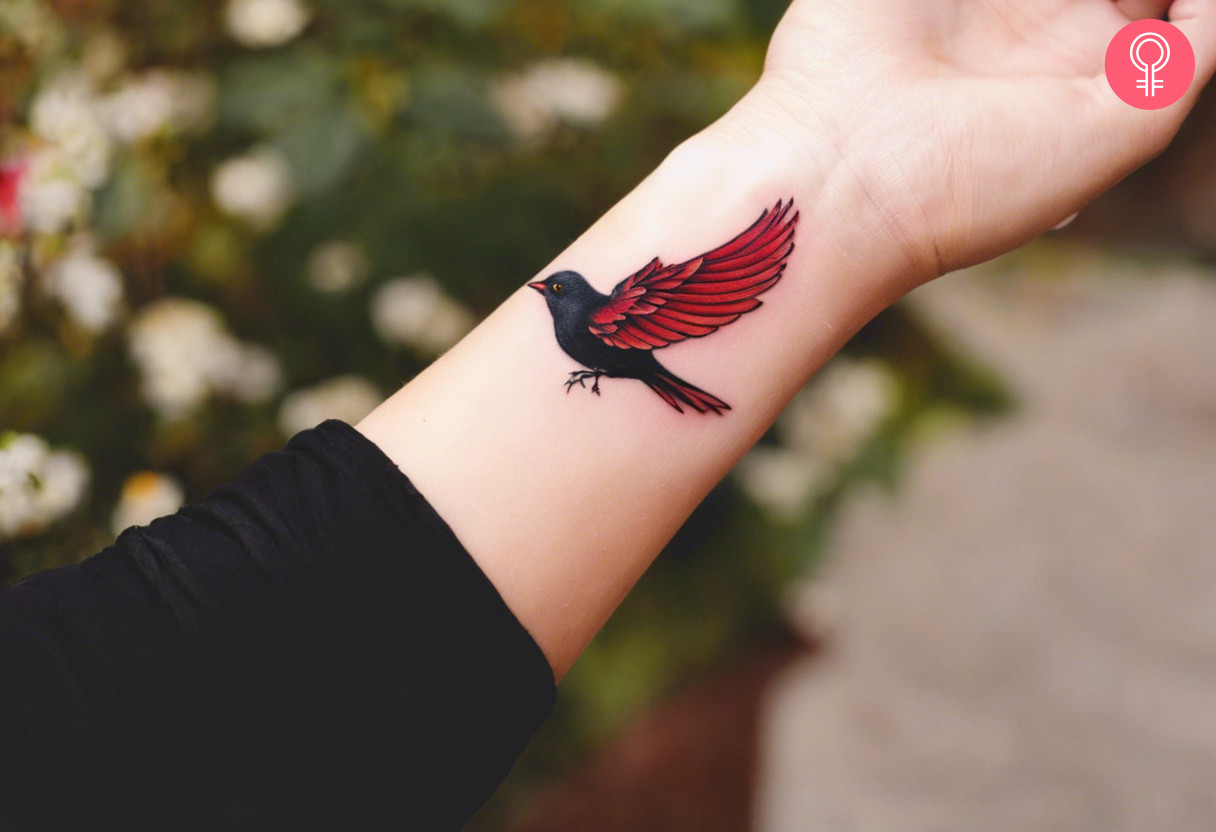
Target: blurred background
(987, 523)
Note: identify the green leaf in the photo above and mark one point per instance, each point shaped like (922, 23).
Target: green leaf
(35, 377)
(124, 199)
(452, 102)
(466, 12)
(265, 94)
(322, 144)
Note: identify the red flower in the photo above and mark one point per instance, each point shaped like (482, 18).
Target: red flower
(12, 172)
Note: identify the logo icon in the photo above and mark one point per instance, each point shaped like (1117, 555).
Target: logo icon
(1150, 64)
(1150, 83)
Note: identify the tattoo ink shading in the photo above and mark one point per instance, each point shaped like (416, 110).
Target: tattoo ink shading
(616, 335)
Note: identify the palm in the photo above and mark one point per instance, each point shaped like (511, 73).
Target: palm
(1065, 39)
(981, 123)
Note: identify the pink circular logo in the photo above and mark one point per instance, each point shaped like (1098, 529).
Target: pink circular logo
(1150, 64)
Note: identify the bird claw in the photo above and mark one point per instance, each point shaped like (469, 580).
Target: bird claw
(580, 377)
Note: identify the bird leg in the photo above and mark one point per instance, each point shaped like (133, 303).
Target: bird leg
(580, 377)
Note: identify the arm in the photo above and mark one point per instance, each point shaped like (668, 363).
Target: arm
(914, 138)
(313, 638)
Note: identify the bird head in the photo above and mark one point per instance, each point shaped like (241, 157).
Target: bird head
(564, 290)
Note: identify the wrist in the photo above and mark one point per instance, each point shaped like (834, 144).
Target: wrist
(851, 189)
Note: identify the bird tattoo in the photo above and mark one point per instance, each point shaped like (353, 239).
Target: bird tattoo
(615, 336)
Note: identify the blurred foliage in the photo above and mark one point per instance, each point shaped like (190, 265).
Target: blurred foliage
(396, 143)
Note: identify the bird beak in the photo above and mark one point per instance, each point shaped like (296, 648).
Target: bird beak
(540, 287)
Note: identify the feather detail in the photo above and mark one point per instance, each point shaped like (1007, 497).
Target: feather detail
(659, 304)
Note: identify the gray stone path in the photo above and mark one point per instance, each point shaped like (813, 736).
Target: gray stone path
(1027, 627)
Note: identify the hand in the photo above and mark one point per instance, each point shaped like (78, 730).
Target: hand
(968, 126)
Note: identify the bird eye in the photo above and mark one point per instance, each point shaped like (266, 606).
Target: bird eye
(557, 287)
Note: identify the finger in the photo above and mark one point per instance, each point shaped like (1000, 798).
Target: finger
(1141, 9)
(1197, 20)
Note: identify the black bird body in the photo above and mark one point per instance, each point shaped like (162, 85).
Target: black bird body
(615, 335)
(571, 312)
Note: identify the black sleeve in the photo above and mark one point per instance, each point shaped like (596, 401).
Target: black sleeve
(309, 646)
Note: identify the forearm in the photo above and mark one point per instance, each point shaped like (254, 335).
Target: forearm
(564, 499)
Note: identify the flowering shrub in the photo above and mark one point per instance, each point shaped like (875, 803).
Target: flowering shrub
(205, 213)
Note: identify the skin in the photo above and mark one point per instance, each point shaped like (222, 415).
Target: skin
(917, 136)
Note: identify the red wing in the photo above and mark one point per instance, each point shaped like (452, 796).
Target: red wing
(663, 304)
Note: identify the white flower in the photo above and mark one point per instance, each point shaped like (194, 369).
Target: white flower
(38, 486)
(64, 114)
(534, 101)
(337, 266)
(52, 196)
(20, 454)
(171, 341)
(416, 312)
(11, 281)
(140, 108)
(146, 495)
(185, 355)
(248, 372)
(781, 481)
(840, 409)
(159, 101)
(88, 286)
(348, 398)
(256, 187)
(62, 483)
(260, 23)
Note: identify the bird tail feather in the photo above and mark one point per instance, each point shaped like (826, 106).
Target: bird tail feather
(675, 390)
